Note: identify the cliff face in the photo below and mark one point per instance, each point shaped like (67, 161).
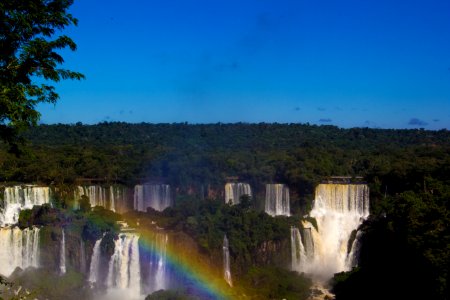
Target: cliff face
(276, 253)
(77, 251)
(50, 248)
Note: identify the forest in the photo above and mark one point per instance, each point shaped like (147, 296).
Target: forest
(406, 240)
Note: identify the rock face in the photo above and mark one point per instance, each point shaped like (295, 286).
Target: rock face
(55, 258)
(275, 253)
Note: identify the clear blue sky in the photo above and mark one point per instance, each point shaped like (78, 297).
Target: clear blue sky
(376, 63)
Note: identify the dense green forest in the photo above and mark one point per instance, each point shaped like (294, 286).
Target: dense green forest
(406, 245)
(192, 156)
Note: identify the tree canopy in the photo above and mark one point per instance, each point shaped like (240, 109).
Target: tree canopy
(29, 59)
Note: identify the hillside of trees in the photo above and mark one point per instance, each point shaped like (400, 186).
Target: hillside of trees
(193, 155)
(405, 249)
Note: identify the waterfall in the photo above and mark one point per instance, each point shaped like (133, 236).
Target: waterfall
(62, 254)
(18, 248)
(156, 196)
(234, 192)
(124, 265)
(139, 198)
(17, 198)
(117, 198)
(157, 277)
(308, 242)
(352, 257)
(277, 200)
(112, 197)
(226, 262)
(95, 193)
(298, 253)
(94, 268)
(338, 210)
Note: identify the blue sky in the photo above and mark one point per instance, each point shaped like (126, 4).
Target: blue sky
(380, 63)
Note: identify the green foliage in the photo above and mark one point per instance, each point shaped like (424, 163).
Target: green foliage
(91, 225)
(404, 248)
(275, 283)
(207, 221)
(40, 216)
(48, 285)
(12, 291)
(29, 52)
(99, 221)
(407, 170)
(200, 156)
(25, 218)
(85, 205)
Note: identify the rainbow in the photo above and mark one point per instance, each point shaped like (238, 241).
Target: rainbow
(184, 259)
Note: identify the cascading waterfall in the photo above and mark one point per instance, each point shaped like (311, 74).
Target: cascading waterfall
(298, 253)
(308, 242)
(234, 192)
(156, 196)
(117, 198)
(112, 197)
(17, 198)
(62, 254)
(352, 258)
(277, 200)
(124, 266)
(226, 261)
(157, 277)
(96, 194)
(129, 274)
(94, 269)
(338, 210)
(18, 248)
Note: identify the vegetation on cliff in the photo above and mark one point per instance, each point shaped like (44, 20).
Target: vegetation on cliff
(408, 171)
(405, 247)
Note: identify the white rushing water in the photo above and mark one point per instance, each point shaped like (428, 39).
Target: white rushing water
(338, 210)
(277, 200)
(111, 197)
(124, 266)
(158, 277)
(62, 254)
(18, 248)
(226, 262)
(117, 198)
(97, 195)
(17, 198)
(298, 253)
(156, 196)
(94, 268)
(234, 192)
(124, 279)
